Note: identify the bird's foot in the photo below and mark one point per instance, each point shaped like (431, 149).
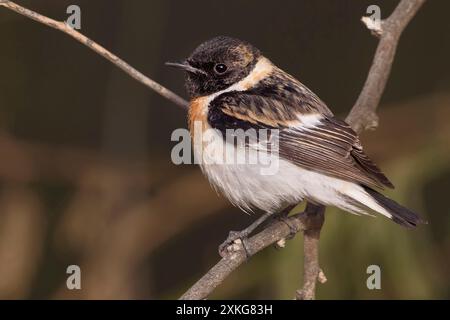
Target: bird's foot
(293, 229)
(238, 239)
(235, 240)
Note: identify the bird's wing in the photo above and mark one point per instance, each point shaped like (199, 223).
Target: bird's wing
(310, 139)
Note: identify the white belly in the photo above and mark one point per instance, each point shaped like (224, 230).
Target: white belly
(270, 183)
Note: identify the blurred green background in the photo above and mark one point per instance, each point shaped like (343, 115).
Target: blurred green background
(85, 170)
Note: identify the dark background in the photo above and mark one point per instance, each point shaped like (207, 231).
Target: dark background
(86, 176)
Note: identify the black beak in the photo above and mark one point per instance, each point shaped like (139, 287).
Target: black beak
(186, 67)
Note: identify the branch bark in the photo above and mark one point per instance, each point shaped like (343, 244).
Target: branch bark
(311, 268)
(362, 116)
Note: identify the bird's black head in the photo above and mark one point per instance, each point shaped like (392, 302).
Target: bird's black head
(217, 64)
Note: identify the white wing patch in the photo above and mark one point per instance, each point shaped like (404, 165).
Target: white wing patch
(309, 120)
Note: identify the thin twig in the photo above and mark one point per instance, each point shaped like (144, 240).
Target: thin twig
(62, 26)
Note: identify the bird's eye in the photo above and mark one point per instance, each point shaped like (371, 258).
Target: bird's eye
(220, 68)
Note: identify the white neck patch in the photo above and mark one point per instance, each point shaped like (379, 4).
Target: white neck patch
(260, 71)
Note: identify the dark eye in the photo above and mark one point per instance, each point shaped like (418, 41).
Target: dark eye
(220, 68)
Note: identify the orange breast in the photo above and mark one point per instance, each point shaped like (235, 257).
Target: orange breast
(198, 111)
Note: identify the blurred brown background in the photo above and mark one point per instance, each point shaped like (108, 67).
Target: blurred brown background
(85, 170)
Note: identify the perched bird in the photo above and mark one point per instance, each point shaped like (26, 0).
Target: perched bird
(319, 158)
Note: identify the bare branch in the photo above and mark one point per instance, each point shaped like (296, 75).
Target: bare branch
(62, 26)
(269, 235)
(311, 268)
(363, 116)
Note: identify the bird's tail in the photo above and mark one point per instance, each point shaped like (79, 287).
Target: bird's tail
(369, 198)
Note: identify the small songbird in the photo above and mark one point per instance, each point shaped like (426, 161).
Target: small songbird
(232, 86)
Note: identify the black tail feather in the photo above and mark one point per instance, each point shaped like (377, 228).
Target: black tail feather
(400, 214)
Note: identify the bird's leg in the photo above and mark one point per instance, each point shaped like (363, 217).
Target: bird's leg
(242, 235)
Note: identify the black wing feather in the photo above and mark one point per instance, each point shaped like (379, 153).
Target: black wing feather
(331, 147)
